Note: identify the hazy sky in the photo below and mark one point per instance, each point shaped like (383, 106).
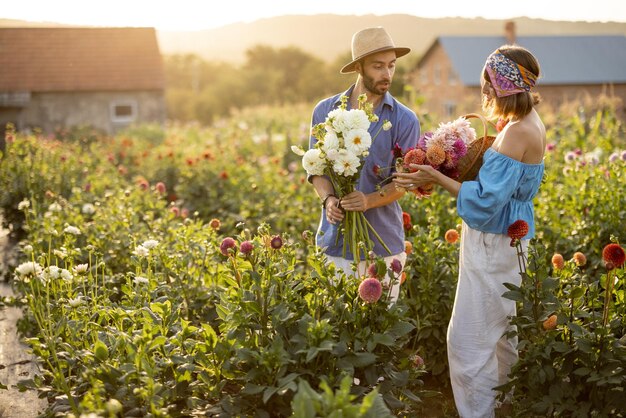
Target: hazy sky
(197, 14)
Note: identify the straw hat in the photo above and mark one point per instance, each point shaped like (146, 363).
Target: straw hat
(371, 41)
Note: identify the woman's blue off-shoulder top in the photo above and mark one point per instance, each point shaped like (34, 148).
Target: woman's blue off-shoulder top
(501, 194)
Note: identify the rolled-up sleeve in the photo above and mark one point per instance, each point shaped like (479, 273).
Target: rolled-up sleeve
(481, 200)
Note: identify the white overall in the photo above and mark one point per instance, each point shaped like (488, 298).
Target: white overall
(480, 358)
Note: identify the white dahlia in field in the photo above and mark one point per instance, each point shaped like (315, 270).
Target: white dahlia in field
(52, 272)
(141, 251)
(29, 268)
(61, 253)
(346, 164)
(88, 209)
(72, 230)
(76, 302)
(140, 280)
(81, 268)
(66, 275)
(358, 141)
(313, 162)
(297, 150)
(24, 204)
(150, 244)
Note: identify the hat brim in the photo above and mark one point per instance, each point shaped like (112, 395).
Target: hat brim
(349, 68)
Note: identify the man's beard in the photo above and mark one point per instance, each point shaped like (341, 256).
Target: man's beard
(370, 85)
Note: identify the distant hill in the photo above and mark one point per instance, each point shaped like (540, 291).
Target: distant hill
(328, 36)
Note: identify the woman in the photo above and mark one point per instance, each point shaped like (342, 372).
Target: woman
(479, 354)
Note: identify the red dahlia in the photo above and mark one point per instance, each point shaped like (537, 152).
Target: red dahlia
(613, 256)
(518, 229)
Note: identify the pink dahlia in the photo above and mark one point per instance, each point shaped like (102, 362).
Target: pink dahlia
(246, 247)
(372, 270)
(143, 184)
(227, 244)
(160, 187)
(417, 361)
(396, 266)
(459, 149)
(421, 143)
(370, 290)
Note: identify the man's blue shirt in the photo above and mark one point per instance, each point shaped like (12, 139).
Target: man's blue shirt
(386, 220)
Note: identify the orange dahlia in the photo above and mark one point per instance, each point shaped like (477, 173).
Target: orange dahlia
(579, 259)
(215, 224)
(452, 236)
(408, 247)
(557, 261)
(550, 323)
(436, 154)
(414, 156)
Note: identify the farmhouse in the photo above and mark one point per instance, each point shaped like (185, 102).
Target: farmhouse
(573, 67)
(106, 78)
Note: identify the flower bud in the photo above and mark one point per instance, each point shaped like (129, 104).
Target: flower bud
(276, 242)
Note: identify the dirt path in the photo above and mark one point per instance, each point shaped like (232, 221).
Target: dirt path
(15, 361)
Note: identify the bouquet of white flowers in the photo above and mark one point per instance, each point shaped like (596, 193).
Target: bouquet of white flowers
(343, 143)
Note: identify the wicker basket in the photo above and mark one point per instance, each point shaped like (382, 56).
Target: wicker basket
(470, 163)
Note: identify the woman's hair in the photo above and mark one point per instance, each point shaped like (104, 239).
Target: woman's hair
(518, 105)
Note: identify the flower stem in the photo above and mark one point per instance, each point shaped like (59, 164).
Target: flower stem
(607, 298)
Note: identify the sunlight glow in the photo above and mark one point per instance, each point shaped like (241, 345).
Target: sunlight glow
(184, 15)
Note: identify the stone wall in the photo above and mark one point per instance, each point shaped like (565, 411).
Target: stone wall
(50, 111)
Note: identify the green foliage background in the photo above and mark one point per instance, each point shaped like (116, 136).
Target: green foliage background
(269, 334)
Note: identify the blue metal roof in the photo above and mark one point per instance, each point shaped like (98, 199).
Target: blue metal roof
(563, 59)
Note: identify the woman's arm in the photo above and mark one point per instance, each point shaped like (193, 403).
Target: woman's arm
(426, 175)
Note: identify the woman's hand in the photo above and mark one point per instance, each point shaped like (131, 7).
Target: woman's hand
(355, 202)
(424, 176)
(334, 213)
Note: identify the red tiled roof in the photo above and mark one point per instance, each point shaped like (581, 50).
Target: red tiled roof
(85, 59)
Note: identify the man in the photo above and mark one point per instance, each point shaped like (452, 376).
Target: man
(374, 60)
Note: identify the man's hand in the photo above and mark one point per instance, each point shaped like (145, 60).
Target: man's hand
(355, 202)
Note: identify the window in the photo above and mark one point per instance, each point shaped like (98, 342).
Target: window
(123, 112)
(437, 74)
(424, 76)
(451, 77)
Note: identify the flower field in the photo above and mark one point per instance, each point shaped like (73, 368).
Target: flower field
(172, 272)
